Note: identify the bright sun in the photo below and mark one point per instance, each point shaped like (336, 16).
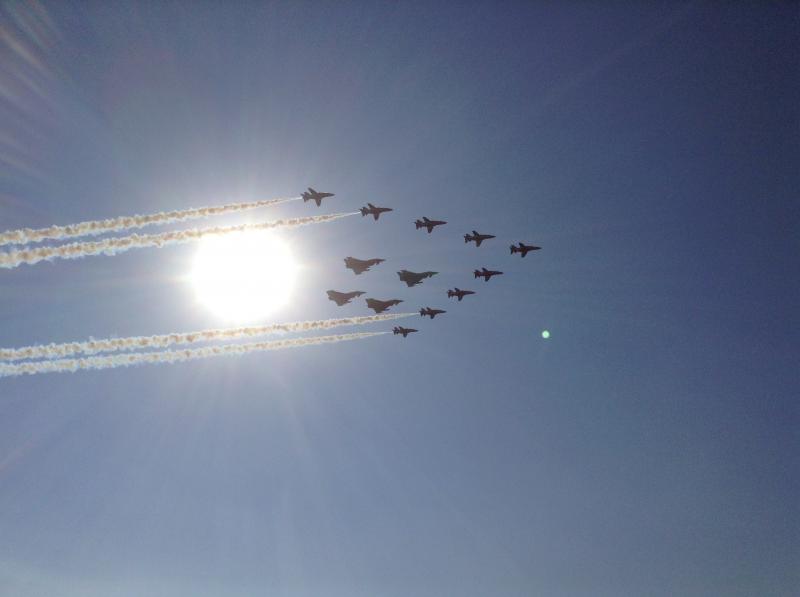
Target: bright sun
(243, 277)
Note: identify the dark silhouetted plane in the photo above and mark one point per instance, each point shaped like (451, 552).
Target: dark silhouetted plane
(425, 311)
(359, 266)
(523, 248)
(486, 273)
(459, 293)
(401, 330)
(477, 237)
(315, 196)
(374, 211)
(429, 224)
(381, 306)
(412, 278)
(342, 298)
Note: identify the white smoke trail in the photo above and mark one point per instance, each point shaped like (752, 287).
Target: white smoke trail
(172, 356)
(113, 246)
(55, 351)
(95, 227)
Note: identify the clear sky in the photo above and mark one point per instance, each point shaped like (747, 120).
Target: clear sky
(648, 447)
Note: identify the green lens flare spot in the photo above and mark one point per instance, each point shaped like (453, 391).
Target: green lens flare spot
(545, 334)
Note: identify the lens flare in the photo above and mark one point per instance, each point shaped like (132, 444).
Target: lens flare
(244, 277)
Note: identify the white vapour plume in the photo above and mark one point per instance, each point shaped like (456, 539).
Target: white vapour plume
(92, 228)
(55, 351)
(113, 246)
(171, 356)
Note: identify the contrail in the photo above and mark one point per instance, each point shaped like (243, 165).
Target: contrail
(172, 356)
(95, 227)
(56, 351)
(113, 246)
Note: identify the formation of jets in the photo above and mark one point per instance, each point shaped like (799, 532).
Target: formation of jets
(429, 224)
(373, 211)
(359, 266)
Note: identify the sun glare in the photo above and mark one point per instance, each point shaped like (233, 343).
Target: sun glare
(243, 277)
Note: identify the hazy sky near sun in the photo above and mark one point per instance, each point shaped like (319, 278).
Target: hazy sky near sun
(649, 446)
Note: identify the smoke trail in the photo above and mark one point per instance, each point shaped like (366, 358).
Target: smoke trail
(173, 356)
(92, 228)
(113, 246)
(54, 351)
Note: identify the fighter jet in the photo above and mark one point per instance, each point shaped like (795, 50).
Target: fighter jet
(342, 298)
(523, 248)
(486, 273)
(412, 278)
(459, 293)
(401, 330)
(375, 211)
(315, 196)
(431, 312)
(477, 237)
(429, 224)
(359, 266)
(381, 306)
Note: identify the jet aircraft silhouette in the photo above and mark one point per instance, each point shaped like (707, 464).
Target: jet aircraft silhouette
(523, 248)
(342, 298)
(359, 266)
(477, 237)
(315, 196)
(429, 224)
(412, 278)
(486, 274)
(405, 331)
(374, 211)
(459, 293)
(381, 306)
(427, 311)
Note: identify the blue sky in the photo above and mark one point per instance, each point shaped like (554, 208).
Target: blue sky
(649, 447)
